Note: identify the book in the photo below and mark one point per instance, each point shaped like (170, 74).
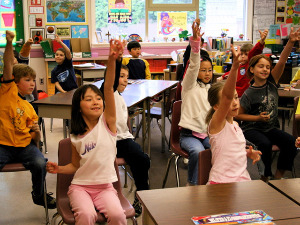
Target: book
(248, 217)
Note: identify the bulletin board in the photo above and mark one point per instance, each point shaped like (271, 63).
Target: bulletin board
(288, 12)
(262, 18)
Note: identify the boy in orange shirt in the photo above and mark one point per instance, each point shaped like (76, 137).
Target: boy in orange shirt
(19, 127)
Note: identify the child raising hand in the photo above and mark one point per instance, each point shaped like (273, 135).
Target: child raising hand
(93, 137)
(229, 161)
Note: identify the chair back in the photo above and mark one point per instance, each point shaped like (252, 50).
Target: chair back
(296, 123)
(169, 101)
(175, 131)
(178, 91)
(204, 166)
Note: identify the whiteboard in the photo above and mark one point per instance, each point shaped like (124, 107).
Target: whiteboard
(263, 16)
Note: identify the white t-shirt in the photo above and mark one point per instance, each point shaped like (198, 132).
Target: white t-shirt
(97, 150)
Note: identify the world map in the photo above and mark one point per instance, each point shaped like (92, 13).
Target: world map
(65, 11)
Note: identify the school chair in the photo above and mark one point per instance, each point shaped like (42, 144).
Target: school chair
(17, 167)
(64, 181)
(204, 166)
(178, 91)
(178, 152)
(121, 162)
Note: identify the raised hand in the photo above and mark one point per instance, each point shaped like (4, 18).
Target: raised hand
(29, 41)
(236, 54)
(10, 36)
(263, 35)
(294, 35)
(196, 29)
(116, 48)
(57, 38)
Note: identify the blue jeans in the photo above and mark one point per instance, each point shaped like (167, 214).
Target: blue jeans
(32, 159)
(193, 146)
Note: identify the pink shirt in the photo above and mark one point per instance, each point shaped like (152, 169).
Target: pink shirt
(229, 156)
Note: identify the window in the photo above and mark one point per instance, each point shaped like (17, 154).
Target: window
(146, 18)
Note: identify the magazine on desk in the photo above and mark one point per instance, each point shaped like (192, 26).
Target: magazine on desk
(248, 217)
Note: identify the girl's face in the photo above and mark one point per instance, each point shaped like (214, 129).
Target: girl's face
(234, 106)
(123, 80)
(205, 72)
(261, 70)
(91, 106)
(26, 85)
(59, 57)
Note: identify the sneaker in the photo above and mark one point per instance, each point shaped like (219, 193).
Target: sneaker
(51, 202)
(137, 207)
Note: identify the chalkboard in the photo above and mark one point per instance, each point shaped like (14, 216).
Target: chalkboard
(263, 17)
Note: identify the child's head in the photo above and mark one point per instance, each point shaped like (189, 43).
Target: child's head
(24, 78)
(123, 79)
(214, 96)
(245, 49)
(134, 49)
(206, 70)
(259, 67)
(60, 56)
(87, 103)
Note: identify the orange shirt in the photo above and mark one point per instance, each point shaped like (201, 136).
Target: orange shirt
(15, 116)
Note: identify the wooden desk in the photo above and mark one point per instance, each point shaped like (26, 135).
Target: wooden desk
(288, 222)
(97, 71)
(59, 105)
(176, 206)
(288, 94)
(288, 187)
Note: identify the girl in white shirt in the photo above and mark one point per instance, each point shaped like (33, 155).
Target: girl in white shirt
(228, 144)
(93, 137)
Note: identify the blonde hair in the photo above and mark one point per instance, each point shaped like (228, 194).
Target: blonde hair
(23, 70)
(213, 98)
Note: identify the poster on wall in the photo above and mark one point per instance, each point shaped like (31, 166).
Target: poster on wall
(288, 11)
(79, 31)
(119, 11)
(7, 18)
(171, 23)
(66, 11)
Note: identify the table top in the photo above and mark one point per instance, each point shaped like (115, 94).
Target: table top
(176, 206)
(289, 187)
(95, 67)
(133, 94)
(289, 94)
(288, 222)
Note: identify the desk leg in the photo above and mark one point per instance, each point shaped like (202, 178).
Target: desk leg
(163, 122)
(144, 125)
(148, 125)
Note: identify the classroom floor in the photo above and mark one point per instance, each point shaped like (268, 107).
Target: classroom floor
(17, 207)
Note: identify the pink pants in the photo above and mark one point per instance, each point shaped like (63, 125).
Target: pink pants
(85, 198)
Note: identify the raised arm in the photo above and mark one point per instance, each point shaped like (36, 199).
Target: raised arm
(25, 50)
(228, 93)
(8, 58)
(190, 78)
(110, 108)
(258, 48)
(65, 47)
(278, 69)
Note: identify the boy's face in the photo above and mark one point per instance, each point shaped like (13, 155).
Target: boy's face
(135, 52)
(123, 80)
(59, 57)
(26, 85)
(244, 57)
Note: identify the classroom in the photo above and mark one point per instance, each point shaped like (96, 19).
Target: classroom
(181, 163)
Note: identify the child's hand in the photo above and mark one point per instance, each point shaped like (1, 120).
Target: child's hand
(297, 143)
(253, 154)
(294, 35)
(264, 116)
(236, 55)
(57, 38)
(115, 48)
(52, 167)
(196, 30)
(34, 126)
(29, 41)
(263, 35)
(10, 36)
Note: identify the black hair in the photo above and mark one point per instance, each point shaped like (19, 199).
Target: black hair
(133, 44)
(78, 125)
